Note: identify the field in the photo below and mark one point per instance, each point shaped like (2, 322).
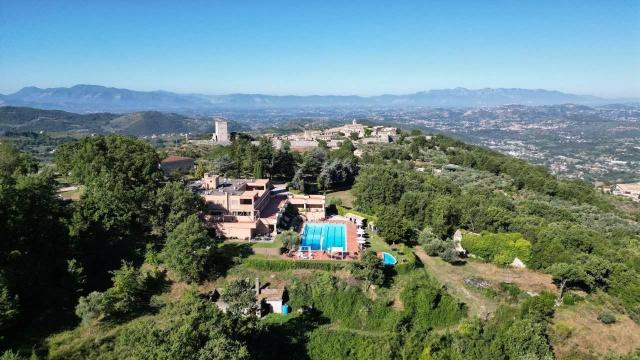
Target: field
(453, 277)
(578, 332)
(344, 197)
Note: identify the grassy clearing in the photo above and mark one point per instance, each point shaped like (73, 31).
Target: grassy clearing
(378, 244)
(345, 197)
(483, 303)
(578, 334)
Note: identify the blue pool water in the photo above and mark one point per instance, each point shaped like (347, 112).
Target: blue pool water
(388, 259)
(329, 235)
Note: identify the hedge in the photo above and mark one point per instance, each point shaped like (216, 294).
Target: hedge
(284, 265)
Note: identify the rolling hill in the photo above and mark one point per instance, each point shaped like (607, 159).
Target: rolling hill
(19, 119)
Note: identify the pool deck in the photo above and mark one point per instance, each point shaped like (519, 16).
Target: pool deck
(351, 243)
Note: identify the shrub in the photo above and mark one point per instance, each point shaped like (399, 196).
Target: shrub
(451, 256)
(511, 290)
(499, 248)
(345, 305)
(329, 344)
(130, 293)
(539, 308)
(284, 265)
(191, 328)
(435, 247)
(426, 236)
(289, 238)
(369, 269)
(90, 307)
(607, 317)
(562, 331)
(571, 298)
(10, 355)
(410, 262)
(428, 305)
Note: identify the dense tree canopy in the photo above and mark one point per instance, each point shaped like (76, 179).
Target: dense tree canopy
(190, 329)
(131, 162)
(174, 203)
(464, 186)
(35, 247)
(188, 249)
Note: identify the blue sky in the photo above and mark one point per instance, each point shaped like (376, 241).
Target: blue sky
(322, 47)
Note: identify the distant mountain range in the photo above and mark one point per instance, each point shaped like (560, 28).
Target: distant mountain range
(94, 98)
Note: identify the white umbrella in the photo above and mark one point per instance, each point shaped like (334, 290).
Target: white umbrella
(360, 231)
(362, 241)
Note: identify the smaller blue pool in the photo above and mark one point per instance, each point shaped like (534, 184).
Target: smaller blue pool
(388, 259)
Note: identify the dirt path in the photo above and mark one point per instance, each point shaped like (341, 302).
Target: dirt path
(453, 278)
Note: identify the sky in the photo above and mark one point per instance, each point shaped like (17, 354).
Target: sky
(322, 47)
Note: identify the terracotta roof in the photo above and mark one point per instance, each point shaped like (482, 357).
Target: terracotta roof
(174, 158)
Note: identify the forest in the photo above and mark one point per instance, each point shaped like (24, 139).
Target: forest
(122, 272)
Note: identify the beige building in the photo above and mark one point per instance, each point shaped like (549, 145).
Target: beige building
(239, 208)
(312, 207)
(631, 190)
(245, 208)
(329, 134)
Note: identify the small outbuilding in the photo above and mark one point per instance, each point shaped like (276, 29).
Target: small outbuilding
(269, 299)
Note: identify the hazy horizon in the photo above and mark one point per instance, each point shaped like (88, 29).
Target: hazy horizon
(331, 48)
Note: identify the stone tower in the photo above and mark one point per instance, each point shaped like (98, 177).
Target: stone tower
(221, 136)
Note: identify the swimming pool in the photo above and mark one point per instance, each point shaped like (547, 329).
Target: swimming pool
(388, 259)
(324, 236)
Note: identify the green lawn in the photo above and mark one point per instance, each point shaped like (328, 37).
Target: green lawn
(275, 244)
(344, 196)
(377, 243)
